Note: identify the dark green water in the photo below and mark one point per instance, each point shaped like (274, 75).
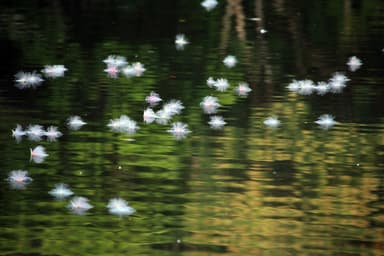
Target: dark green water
(244, 190)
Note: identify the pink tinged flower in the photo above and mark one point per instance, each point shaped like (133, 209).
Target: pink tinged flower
(153, 99)
(179, 130)
(60, 191)
(149, 116)
(221, 85)
(119, 207)
(216, 122)
(52, 133)
(242, 89)
(138, 68)
(54, 71)
(79, 205)
(35, 132)
(38, 154)
(230, 61)
(112, 71)
(18, 179)
(75, 122)
(18, 133)
(210, 104)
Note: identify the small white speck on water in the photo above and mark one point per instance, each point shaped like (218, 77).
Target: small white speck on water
(80, 173)
(119, 168)
(178, 241)
(358, 164)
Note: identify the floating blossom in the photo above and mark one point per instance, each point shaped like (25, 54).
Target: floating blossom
(18, 133)
(306, 87)
(120, 207)
(112, 71)
(272, 122)
(123, 124)
(354, 63)
(210, 82)
(27, 80)
(230, 61)
(209, 4)
(79, 205)
(115, 60)
(338, 82)
(149, 115)
(294, 86)
(221, 84)
(35, 132)
(181, 41)
(322, 88)
(75, 122)
(173, 107)
(61, 191)
(216, 122)
(136, 69)
(38, 154)
(52, 133)
(18, 179)
(163, 117)
(54, 71)
(153, 99)
(179, 130)
(242, 89)
(210, 104)
(326, 121)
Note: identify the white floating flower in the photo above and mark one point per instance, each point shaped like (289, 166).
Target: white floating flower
(326, 121)
(181, 41)
(54, 71)
(272, 122)
(18, 179)
(179, 130)
(79, 205)
(123, 124)
(211, 82)
(139, 68)
(163, 117)
(209, 4)
(307, 87)
(27, 80)
(38, 154)
(18, 132)
(322, 88)
(119, 207)
(52, 133)
(153, 99)
(354, 63)
(242, 89)
(115, 60)
(173, 107)
(112, 71)
(149, 115)
(263, 31)
(338, 82)
(230, 61)
(35, 132)
(216, 122)
(221, 84)
(75, 122)
(210, 104)
(61, 191)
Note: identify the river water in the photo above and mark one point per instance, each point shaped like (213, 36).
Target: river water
(247, 189)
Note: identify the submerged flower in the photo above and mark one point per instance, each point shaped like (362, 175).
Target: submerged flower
(242, 89)
(354, 63)
(79, 205)
(210, 104)
(216, 122)
(75, 122)
(179, 130)
(38, 154)
(221, 84)
(120, 207)
(230, 61)
(272, 122)
(149, 115)
(181, 41)
(326, 121)
(35, 132)
(61, 191)
(18, 179)
(18, 133)
(54, 71)
(27, 80)
(153, 99)
(209, 4)
(52, 133)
